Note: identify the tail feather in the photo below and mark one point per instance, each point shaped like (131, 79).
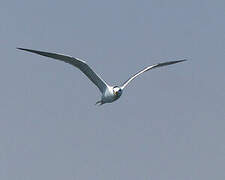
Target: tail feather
(99, 103)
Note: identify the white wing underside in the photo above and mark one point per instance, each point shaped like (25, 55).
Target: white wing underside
(80, 64)
(147, 69)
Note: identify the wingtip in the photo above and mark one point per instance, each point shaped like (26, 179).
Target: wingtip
(182, 60)
(28, 50)
(20, 48)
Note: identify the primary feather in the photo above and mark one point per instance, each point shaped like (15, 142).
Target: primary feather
(147, 69)
(80, 64)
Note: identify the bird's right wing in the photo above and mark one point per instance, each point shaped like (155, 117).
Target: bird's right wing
(148, 68)
(80, 64)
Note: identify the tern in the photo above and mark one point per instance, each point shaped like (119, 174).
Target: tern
(109, 93)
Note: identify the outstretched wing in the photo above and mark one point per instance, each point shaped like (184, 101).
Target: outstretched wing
(148, 68)
(80, 64)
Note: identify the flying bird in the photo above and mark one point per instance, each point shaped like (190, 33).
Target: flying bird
(109, 93)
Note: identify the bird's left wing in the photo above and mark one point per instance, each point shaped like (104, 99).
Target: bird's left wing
(80, 64)
(148, 68)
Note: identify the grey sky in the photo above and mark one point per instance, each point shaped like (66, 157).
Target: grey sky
(168, 124)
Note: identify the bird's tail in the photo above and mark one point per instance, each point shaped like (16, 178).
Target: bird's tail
(99, 103)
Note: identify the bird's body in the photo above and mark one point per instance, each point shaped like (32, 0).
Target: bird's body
(109, 93)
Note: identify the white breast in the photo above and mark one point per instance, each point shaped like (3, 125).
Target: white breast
(108, 96)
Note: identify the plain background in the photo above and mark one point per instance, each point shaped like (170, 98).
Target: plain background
(169, 122)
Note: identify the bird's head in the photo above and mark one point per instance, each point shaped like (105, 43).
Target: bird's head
(117, 91)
